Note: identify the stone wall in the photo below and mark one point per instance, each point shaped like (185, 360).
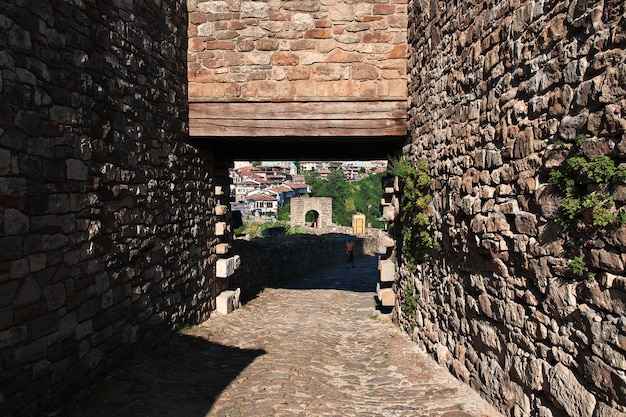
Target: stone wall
(500, 92)
(270, 262)
(297, 50)
(105, 224)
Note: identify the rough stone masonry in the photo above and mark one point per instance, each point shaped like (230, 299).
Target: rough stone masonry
(105, 208)
(106, 221)
(500, 92)
(297, 50)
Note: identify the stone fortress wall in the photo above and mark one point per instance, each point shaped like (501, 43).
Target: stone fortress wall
(500, 91)
(108, 213)
(297, 50)
(270, 263)
(105, 209)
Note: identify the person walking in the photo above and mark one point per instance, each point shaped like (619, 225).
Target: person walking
(350, 250)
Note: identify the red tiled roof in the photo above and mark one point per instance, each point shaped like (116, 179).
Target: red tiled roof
(297, 185)
(249, 181)
(281, 188)
(260, 197)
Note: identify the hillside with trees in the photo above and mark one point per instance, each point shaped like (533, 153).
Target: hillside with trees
(349, 197)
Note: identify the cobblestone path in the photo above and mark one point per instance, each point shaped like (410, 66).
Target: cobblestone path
(314, 347)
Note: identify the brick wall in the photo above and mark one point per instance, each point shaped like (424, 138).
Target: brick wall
(297, 50)
(105, 228)
(500, 91)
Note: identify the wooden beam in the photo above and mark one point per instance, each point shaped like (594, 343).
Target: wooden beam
(289, 111)
(308, 128)
(310, 119)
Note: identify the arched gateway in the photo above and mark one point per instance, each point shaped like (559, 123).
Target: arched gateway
(323, 206)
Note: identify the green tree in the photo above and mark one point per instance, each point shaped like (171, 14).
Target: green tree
(415, 185)
(350, 207)
(284, 213)
(350, 197)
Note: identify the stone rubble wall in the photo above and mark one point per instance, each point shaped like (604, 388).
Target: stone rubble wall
(105, 209)
(315, 50)
(496, 86)
(269, 262)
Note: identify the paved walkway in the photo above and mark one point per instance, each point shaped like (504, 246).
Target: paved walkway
(315, 347)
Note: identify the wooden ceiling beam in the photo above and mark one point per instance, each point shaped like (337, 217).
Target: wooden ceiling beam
(293, 119)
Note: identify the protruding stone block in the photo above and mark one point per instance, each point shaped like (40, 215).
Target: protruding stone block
(387, 297)
(227, 266)
(228, 301)
(382, 250)
(221, 209)
(219, 190)
(613, 281)
(386, 240)
(387, 270)
(222, 248)
(220, 228)
(389, 213)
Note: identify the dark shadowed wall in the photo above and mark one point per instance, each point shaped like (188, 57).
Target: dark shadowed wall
(105, 223)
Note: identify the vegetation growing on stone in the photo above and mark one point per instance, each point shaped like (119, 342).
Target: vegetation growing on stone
(578, 265)
(415, 197)
(586, 184)
(411, 301)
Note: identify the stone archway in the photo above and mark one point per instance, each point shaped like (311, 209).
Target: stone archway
(322, 205)
(315, 221)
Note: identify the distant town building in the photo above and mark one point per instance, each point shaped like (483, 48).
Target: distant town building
(260, 190)
(262, 203)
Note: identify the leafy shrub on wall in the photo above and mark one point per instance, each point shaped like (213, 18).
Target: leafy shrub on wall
(587, 185)
(415, 196)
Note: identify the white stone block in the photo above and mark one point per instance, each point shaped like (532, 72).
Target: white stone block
(387, 270)
(228, 301)
(389, 190)
(219, 190)
(220, 228)
(387, 297)
(222, 248)
(389, 213)
(221, 209)
(226, 267)
(386, 240)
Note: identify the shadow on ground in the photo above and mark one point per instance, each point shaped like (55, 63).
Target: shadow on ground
(186, 375)
(182, 378)
(361, 278)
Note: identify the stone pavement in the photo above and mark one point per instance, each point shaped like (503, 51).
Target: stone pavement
(313, 347)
